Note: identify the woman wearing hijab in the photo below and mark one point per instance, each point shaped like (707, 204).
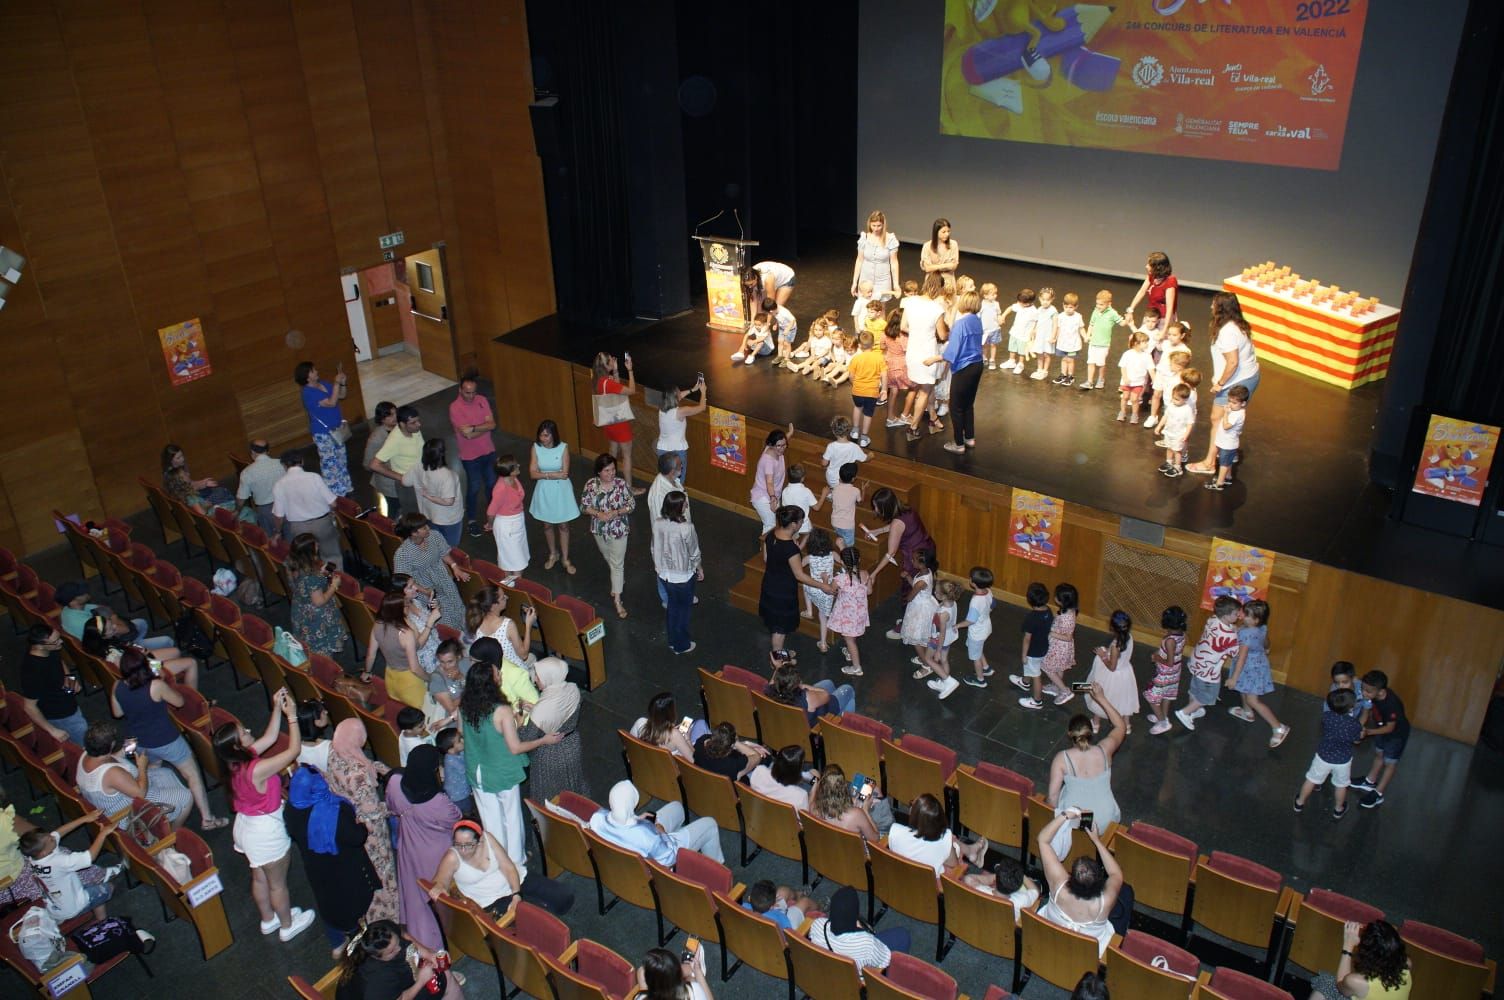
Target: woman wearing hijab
(354, 776)
(842, 932)
(332, 843)
(425, 817)
(555, 767)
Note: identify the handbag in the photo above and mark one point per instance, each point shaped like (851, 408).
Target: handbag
(610, 408)
(37, 936)
(149, 822)
(357, 690)
(104, 939)
(177, 864)
(287, 646)
(342, 433)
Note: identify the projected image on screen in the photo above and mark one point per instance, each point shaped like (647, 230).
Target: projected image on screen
(1260, 81)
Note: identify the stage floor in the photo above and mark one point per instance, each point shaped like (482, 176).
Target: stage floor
(1302, 487)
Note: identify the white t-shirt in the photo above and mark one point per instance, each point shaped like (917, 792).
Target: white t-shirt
(58, 873)
(1164, 378)
(1179, 418)
(1232, 338)
(989, 312)
(1068, 327)
(798, 495)
(1229, 436)
(838, 353)
(1025, 318)
(788, 327)
(405, 744)
(316, 755)
(859, 308)
(671, 431)
(1155, 331)
(781, 273)
(904, 842)
(819, 346)
(1135, 366)
(837, 454)
(440, 482)
(979, 613)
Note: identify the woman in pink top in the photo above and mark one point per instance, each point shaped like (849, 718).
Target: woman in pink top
(506, 518)
(256, 797)
(769, 479)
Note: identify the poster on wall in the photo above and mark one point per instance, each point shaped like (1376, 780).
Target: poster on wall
(1034, 523)
(1455, 460)
(1238, 571)
(728, 440)
(184, 351)
(1255, 81)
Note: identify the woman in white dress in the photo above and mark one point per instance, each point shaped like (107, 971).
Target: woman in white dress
(924, 322)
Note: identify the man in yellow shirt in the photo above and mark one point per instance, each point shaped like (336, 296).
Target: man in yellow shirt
(869, 385)
(402, 450)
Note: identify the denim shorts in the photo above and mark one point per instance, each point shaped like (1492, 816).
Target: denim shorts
(846, 535)
(1252, 382)
(98, 894)
(1392, 749)
(1033, 665)
(1206, 692)
(1227, 456)
(176, 752)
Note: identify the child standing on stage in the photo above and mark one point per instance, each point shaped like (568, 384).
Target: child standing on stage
(1034, 645)
(1068, 327)
(978, 624)
(848, 616)
(895, 353)
(992, 330)
(1112, 670)
(869, 378)
(1175, 429)
(1061, 654)
(843, 448)
(1163, 375)
(1134, 366)
(1153, 328)
(843, 501)
(1044, 333)
(875, 321)
(1021, 334)
(947, 593)
(1169, 659)
(816, 350)
(788, 331)
(1218, 643)
(1229, 436)
(1251, 675)
(919, 614)
(819, 563)
(1099, 342)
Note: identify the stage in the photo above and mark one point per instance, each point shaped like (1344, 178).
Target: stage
(1302, 487)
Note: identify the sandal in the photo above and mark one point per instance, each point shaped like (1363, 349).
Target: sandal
(569, 567)
(822, 647)
(213, 823)
(936, 427)
(851, 671)
(552, 561)
(922, 673)
(621, 612)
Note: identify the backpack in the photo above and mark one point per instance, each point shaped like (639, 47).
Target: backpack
(190, 637)
(104, 939)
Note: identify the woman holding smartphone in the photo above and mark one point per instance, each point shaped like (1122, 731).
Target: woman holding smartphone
(1081, 774)
(316, 620)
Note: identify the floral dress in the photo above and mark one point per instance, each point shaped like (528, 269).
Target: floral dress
(820, 568)
(848, 616)
(320, 628)
(1061, 654)
(1256, 677)
(349, 781)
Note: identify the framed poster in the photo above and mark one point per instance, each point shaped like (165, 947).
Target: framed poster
(184, 352)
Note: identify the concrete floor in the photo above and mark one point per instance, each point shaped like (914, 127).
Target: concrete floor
(1424, 855)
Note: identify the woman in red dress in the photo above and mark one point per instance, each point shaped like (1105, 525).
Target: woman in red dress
(608, 382)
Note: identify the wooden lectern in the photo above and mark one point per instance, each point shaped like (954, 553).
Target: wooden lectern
(725, 262)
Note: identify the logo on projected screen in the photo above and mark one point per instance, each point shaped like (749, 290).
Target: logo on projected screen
(1148, 73)
(1321, 85)
(1306, 134)
(1197, 127)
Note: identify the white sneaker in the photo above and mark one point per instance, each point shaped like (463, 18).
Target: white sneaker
(267, 926)
(737, 356)
(1020, 683)
(1198, 713)
(934, 683)
(1187, 721)
(896, 423)
(948, 687)
(301, 921)
(750, 358)
(1038, 374)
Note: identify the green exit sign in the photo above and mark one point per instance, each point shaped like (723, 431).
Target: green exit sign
(392, 240)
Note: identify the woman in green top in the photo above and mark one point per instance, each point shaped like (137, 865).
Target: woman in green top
(495, 758)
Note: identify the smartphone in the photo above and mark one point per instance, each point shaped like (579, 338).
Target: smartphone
(699, 378)
(685, 724)
(1088, 819)
(692, 953)
(329, 569)
(1081, 687)
(627, 357)
(129, 747)
(861, 787)
(156, 667)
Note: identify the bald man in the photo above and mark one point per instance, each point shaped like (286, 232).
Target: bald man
(256, 484)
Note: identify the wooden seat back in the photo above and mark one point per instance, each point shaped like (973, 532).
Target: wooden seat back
(857, 752)
(1055, 954)
(622, 871)
(1234, 908)
(822, 974)
(1137, 978)
(908, 775)
(563, 841)
(906, 886)
(652, 768)
(687, 904)
(989, 810)
(780, 725)
(754, 940)
(727, 701)
(772, 825)
(709, 794)
(836, 853)
(1165, 877)
(984, 920)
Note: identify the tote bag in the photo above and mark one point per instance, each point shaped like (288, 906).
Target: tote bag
(287, 646)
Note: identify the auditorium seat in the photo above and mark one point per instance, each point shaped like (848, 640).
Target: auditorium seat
(1053, 953)
(773, 825)
(991, 802)
(819, 973)
(912, 766)
(727, 700)
(984, 920)
(521, 938)
(685, 895)
(651, 769)
(1230, 984)
(909, 978)
(561, 842)
(622, 871)
(1451, 966)
(1240, 900)
(1148, 968)
(1314, 928)
(1158, 864)
(754, 940)
(598, 973)
(709, 794)
(836, 853)
(780, 725)
(853, 741)
(910, 888)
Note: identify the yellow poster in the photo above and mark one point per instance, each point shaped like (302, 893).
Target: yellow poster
(1455, 460)
(1034, 524)
(1238, 571)
(184, 351)
(728, 440)
(723, 289)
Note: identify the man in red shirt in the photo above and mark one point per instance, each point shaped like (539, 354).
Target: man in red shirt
(470, 416)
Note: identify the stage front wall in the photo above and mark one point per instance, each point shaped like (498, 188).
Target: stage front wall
(1441, 654)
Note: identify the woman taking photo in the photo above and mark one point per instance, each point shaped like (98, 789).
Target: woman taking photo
(676, 560)
(618, 435)
(496, 757)
(508, 526)
(109, 779)
(354, 776)
(1160, 287)
(1083, 895)
(427, 560)
(321, 403)
(332, 844)
(924, 322)
(771, 476)
(835, 801)
(554, 767)
(438, 490)
(511, 653)
(941, 255)
(256, 796)
(876, 258)
(783, 572)
(1081, 774)
(661, 727)
(425, 817)
(140, 699)
(396, 638)
(316, 620)
(963, 353)
(609, 504)
(673, 422)
(906, 536)
(1373, 965)
(553, 503)
(1233, 363)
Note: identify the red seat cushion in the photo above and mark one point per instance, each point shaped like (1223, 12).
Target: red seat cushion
(373, 596)
(581, 612)
(1146, 948)
(1244, 870)
(577, 804)
(253, 535)
(1161, 839)
(488, 571)
(381, 522)
(537, 928)
(167, 574)
(324, 669)
(536, 589)
(1240, 986)
(256, 631)
(194, 593)
(921, 747)
(605, 968)
(862, 724)
(200, 857)
(1442, 941)
(746, 678)
(225, 519)
(223, 611)
(696, 867)
(1004, 778)
(1341, 907)
(920, 977)
(278, 548)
